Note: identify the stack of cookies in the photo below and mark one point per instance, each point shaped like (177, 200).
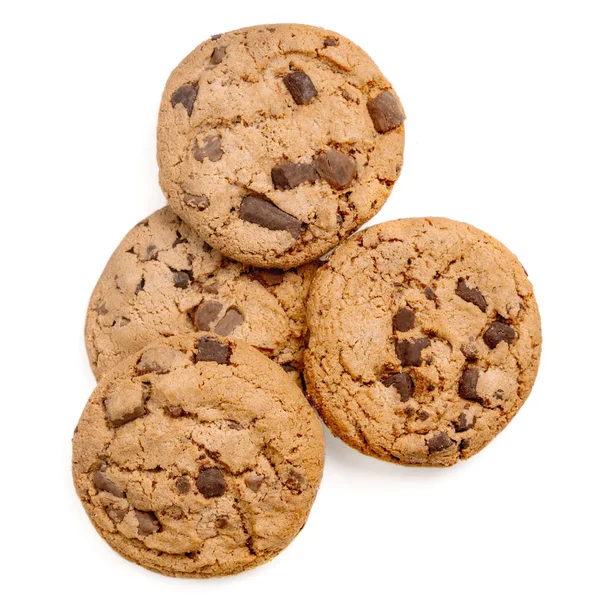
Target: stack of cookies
(220, 319)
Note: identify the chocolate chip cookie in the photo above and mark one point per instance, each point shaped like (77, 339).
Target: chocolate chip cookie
(198, 457)
(163, 280)
(425, 341)
(277, 142)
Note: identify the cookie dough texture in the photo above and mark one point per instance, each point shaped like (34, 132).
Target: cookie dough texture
(277, 142)
(163, 280)
(198, 457)
(425, 341)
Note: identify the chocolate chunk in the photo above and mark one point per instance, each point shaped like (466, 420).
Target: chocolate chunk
(210, 349)
(336, 168)
(116, 514)
(467, 386)
(253, 481)
(198, 202)
(160, 360)
(147, 523)
(409, 351)
(186, 96)
(232, 319)
(269, 276)
(216, 36)
(146, 364)
(498, 332)
(206, 313)
(182, 484)
(409, 411)
(103, 483)
(150, 254)
(181, 279)
(439, 442)
(217, 56)
(102, 310)
(211, 483)
(430, 294)
(402, 382)
(175, 411)
(329, 42)
(463, 423)
(126, 417)
(404, 319)
(261, 211)
(295, 480)
(221, 521)
(300, 86)
(288, 175)
(211, 149)
(424, 415)
(472, 295)
(385, 112)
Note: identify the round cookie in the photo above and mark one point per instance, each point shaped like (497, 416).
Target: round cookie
(163, 280)
(198, 457)
(425, 340)
(277, 142)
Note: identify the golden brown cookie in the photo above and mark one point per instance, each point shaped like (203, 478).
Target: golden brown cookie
(163, 280)
(198, 457)
(276, 142)
(425, 340)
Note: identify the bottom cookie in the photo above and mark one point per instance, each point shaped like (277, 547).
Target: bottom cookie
(198, 457)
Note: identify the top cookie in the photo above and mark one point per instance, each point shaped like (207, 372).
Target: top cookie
(425, 340)
(277, 142)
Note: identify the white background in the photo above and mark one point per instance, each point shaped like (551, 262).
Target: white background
(503, 130)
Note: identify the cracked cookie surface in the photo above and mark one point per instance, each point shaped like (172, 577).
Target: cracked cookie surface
(163, 280)
(425, 340)
(198, 457)
(277, 142)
